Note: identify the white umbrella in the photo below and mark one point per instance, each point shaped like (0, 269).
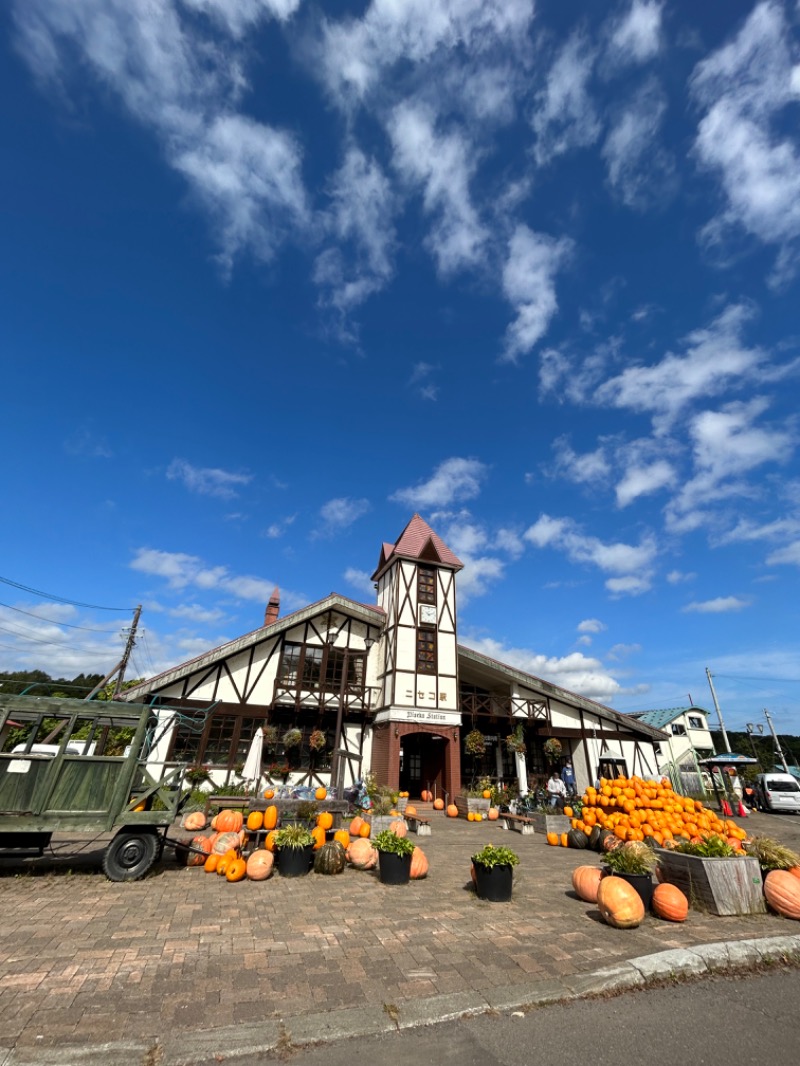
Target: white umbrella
(251, 771)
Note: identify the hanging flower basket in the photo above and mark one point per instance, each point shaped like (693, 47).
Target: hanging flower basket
(270, 736)
(516, 742)
(292, 738)
(317, 741)
(552, 748)
(475, 743)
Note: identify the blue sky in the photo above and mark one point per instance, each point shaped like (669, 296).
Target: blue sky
(276, 274)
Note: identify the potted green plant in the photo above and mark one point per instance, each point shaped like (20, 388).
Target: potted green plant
(294, 850)
(394, 857)
(493, 872)
(634, 862)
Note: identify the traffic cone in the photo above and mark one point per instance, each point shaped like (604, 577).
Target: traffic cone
(726, 809)
(742, 810)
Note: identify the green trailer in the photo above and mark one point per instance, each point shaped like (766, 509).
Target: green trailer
(86, 769)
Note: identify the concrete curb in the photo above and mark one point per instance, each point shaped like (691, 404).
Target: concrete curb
(229, 1043)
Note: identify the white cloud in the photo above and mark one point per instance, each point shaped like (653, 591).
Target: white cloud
(454, 480)
(589, 468)
(361, 213)
(678, 577)
(715, 359)
(442, 164)
(592, 625)
(629, 585)
(361, 581)
(640, 172)
(194, 612)
(237, 16)
(790, 555)
(182, 571)
(745, 87)
(574, 672)
(563, 534)
(720, 605)
(421, 381)
(183, 87)
(636, 36)
(339, 513)
(644, 480)
(207, 481)
(564, 115)
(529, 273)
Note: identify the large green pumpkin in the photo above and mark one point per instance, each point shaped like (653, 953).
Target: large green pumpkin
(330, 858)
(576, 838)
(595, 837)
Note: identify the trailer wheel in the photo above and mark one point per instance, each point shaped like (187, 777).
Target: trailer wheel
(130, 856)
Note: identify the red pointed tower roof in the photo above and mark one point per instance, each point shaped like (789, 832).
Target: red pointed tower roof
(418, 541)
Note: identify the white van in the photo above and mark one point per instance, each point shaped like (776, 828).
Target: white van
(778, 792)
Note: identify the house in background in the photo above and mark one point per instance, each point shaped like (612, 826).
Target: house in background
(344, 688)
(688, 740)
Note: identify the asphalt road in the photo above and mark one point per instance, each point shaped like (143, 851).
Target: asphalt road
(728, 1021)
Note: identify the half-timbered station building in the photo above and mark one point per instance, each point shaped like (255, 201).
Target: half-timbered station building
(342, 688)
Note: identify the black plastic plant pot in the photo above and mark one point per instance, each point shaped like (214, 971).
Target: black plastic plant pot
(394, 869)
(295, 862)
(494, 883)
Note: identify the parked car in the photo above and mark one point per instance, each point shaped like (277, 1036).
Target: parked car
(778, 792)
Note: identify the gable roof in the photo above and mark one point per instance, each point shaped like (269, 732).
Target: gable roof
(367, 613)
(547, 688)
(418, 542)
(662, 717)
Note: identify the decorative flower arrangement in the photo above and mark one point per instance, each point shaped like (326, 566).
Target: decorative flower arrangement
(196, 775)
(552, 748)
(270, 736)
(317, 741)
(516, 742)
(279, 770)
(292, 738)
(475, 743)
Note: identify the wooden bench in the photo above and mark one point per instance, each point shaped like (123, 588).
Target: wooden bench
(420, 826)
(520, 823)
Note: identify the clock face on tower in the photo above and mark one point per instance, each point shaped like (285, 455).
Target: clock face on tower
(427, 614)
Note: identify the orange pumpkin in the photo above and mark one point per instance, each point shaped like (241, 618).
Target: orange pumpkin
(260, 864)
(255, 820)
(438, 804)
(782, 893)
(419, 864)
(585, 881)
(398, 827)
(487, 793)
(225, 842)
(318, 833)
(269, 793)
(355, 825)
(365, 829)
(669, 903)
(552, 838)
(794, 871)
(568, 812)
(426, 796)
(361, 854)
(195, 853)
(269, 840)
(620, 905)
(210, 865)
(564, 840)
(325, 820)
(237, 870)
(321, 793)
(411, 812)
(343, 837)
(493, 814)
(229, 821)
(452, 810)
(194, 821)
(270, 817)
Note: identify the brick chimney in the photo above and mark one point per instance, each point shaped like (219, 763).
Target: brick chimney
(273, 607)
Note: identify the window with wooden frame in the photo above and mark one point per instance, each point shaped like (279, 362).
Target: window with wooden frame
(426, 651)
(426, 585)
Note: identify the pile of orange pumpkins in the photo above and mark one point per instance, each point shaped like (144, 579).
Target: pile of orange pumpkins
(222, 852)
(637, 809)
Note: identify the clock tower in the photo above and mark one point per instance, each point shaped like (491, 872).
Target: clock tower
(416, 585)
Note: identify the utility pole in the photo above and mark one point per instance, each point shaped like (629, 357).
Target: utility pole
(725, 740)
(128, 649)
(751, 728)
(778, 748)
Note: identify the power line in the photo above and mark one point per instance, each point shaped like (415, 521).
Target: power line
(52, 643)
(60, 599)
(52, 621)
(760, 680)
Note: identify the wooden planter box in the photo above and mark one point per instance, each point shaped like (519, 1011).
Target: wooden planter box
(380, 822)
(471, 805)
(721, 886)
(550, 823)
